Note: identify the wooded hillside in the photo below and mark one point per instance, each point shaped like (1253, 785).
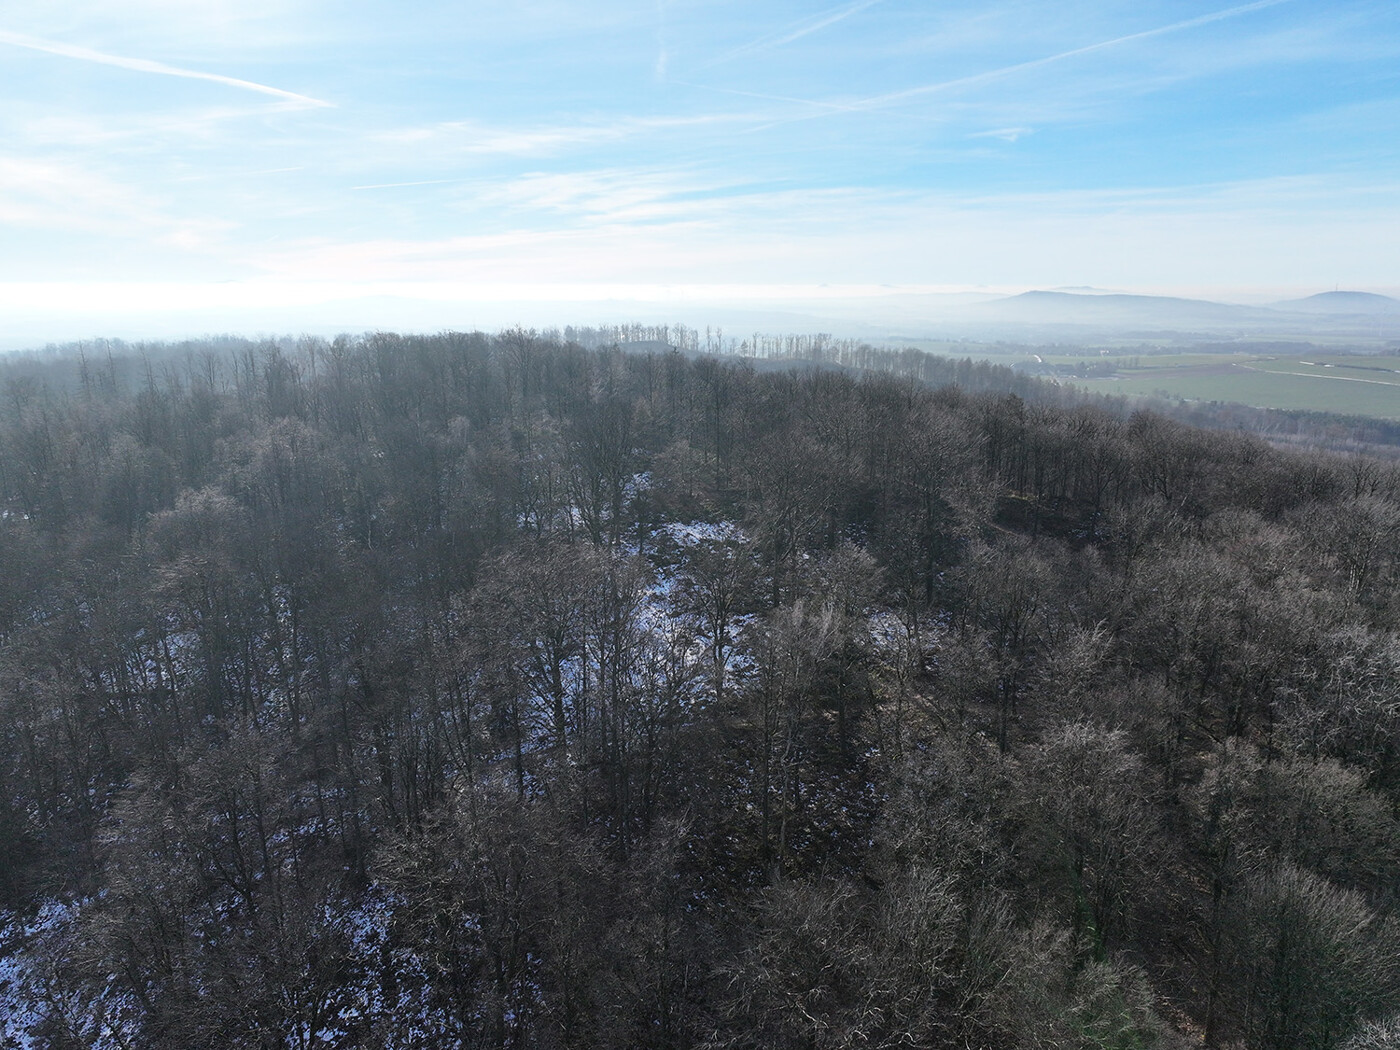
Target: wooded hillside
(494, 692)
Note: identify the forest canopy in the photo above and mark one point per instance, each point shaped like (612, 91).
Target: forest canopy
(496, 691)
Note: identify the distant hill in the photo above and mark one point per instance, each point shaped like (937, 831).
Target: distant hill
(1340, 303)
(1041, 307)
(1062, 314)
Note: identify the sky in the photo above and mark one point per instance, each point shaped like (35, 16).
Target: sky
(290, 162)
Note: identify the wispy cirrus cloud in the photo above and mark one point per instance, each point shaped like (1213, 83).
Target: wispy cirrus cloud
(894, 97)
(891, 99)
(794, 32)
(44, 194)
(403, 185)
(472, 137)
(610, 196)
(637, 227)
(49, 195)
(835, 107)
(71, 130)
(143, 65)
(1004, 134)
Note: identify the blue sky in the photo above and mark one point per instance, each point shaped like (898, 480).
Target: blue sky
(256, 152)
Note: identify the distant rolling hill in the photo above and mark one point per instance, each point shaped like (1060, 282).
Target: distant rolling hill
(1072, 314)
(1349, 304)
(1118, 310)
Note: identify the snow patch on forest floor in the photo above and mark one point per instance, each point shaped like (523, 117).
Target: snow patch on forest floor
(25, 995)
(18, 1012)
(692, 534)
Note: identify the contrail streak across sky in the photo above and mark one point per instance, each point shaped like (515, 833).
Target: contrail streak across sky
(142, 65)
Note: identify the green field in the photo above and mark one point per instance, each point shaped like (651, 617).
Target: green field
(1347, 384)
(1143, 362)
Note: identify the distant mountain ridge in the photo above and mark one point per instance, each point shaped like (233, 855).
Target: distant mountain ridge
(1342, 302)
(1118, 308)
(1336, 312)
